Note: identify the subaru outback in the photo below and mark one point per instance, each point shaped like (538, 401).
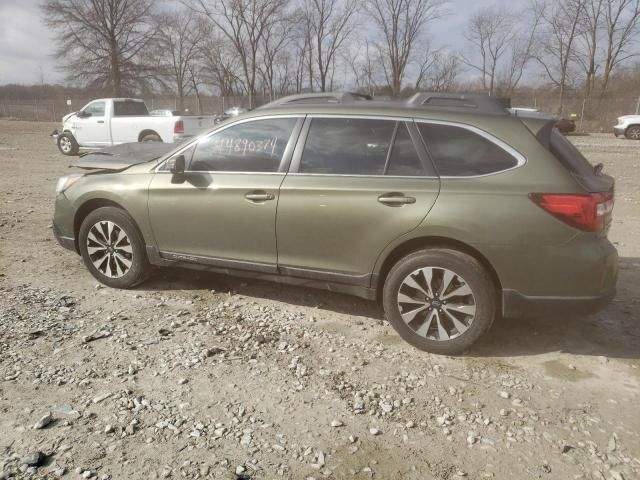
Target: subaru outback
(449, 210)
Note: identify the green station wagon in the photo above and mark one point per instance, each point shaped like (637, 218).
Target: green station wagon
(449, 210)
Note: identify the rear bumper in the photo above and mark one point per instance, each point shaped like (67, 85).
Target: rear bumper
(514, 304)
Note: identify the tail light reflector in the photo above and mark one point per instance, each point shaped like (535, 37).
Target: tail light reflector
(586, 212)
(178, 127)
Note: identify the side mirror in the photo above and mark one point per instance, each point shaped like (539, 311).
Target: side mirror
(176, 165)
(83, 114)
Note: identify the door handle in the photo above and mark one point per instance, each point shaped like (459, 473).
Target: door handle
(259, 196)
(100, 121)
(395, 199)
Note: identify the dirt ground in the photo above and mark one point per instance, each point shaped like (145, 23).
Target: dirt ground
(198, 375)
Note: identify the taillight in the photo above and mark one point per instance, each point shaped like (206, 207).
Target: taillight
(586, 212)
(178, 127)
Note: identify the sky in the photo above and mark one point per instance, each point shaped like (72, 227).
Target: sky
(27, 46)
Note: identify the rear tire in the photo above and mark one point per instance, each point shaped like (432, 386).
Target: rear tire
(112, 248)
(633, 132)
(151, 137)
(439, 300)
(67, 144)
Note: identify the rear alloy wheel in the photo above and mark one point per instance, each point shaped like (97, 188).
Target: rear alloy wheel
(633, 133)
(439, 300)
(112, 248)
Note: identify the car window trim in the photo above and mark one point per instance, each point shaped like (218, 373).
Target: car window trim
(430, 172)
(521, 160)
(284, 161)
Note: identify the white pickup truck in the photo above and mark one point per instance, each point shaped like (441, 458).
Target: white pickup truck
(628, 126)
(111, 121)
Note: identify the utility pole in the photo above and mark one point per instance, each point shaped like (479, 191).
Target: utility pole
(638, 107)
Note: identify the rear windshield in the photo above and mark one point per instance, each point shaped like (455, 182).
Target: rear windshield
(579, 167)
(129, 109)
(569, 155)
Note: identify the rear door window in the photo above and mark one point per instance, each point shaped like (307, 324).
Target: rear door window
(459, 152)
(254, 146)
(125, 108)
(404, 160)
(347, 146)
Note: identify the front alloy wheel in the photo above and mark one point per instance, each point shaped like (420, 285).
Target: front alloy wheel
(112, 248)
(439, 300)
(633, 133)
(109, 249)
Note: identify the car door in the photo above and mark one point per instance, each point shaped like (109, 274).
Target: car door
(92, 129)
(222, 211)
(355, 185)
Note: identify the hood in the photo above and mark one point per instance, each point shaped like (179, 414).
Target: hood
(122, 156)
(68, 116)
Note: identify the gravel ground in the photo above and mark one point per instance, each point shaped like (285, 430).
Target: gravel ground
(198, 375)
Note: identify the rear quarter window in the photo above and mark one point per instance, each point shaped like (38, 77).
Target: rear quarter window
(459, 152)
(129, 109)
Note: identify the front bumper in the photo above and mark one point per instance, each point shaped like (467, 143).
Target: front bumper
(618, 131)
(63, 222)
(67, 242)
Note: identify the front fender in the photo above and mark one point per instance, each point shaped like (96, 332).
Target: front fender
(128, 191)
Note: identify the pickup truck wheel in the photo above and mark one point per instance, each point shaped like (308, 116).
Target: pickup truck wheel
(633, 132)
(67, 144)
(112, 248)
(151, 137)
(439, 300)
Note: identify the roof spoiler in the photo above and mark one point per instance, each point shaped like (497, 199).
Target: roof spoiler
(539, 124)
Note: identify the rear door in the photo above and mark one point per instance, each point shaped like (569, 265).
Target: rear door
(355, 185)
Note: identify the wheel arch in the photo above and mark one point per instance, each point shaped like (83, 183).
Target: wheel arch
(146, 132)
(89, 206)
(420, 243)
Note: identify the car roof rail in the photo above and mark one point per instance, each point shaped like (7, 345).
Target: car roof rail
(319, 99)
(460, 102)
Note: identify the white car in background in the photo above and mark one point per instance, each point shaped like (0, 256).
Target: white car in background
(629, 126)
(111, 121)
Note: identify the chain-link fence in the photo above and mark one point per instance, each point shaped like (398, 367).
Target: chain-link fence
(599, 113)
(52, 110)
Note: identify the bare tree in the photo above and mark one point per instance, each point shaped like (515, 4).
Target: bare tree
(522, 50)
(330, 23)
(244, 23)
(100, 41)
(400, 23)
(178, 49)
(443, 71)
(221, 66)
(491, 31)
(563, 27)
(275, 40)
(622, 30)
(591, 28)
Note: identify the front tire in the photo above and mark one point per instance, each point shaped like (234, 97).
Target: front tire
(112, 248)
(67, 144)
(633, 132)
(439, 300)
